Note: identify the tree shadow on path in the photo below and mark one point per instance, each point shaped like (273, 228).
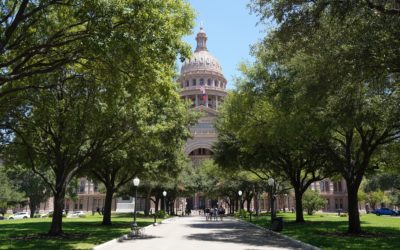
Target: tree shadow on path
(231, 231)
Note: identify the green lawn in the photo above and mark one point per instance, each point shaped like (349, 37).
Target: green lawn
(327, 231)
(89, 228)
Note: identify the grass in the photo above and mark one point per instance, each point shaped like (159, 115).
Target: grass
(14, 234)
(327, 231)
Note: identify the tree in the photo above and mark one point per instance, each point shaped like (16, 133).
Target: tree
(27, 182)
(64, 129)
(343, 55)
(40, 37)
(312, 201)
(9, 194)
(272, 135)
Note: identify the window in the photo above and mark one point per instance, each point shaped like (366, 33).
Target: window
(95, 187)
(337, 186)
(187, 83)
(341, 203)
(82, 187)
(216, 83)
(209, 82)
(324, 186)
(201, 81)
(194, 82)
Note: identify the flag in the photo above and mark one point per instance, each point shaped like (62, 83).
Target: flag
(203, 93)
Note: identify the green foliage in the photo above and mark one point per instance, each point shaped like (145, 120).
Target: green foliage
(27, 182)
(161, 214)
(243, 213)
(337, 60)
(313, 201)
(115, 104)
(9, 193)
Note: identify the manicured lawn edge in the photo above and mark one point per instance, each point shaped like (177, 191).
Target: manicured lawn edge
(303, 244)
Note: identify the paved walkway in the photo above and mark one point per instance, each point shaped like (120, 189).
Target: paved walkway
(187, 233)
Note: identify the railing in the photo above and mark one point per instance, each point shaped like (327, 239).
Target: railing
(205, 86)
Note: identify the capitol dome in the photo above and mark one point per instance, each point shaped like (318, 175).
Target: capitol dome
(201, 59)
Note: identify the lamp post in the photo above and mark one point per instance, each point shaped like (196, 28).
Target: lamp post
(284, 209)
(240, 201)
(164, 193)
(271, 184)
(136, 182)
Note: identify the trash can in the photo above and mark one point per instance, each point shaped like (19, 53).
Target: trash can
(277, 224)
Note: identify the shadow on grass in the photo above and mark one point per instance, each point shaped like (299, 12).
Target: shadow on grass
(26, 235)
(332, 235)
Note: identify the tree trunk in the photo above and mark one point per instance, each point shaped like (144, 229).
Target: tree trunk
(56, 222)
(107, 206)
(147, 203)
(354, 215)
(299, 205)
(32, 207)
(157, 203)
(248, 204)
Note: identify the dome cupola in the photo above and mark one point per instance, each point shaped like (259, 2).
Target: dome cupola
(201, 59)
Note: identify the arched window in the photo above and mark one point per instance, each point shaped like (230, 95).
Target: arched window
(194, 82)
(201, 81)
(216, 83)
(209, 82)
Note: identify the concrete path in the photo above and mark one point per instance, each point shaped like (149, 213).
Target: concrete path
(187, 233)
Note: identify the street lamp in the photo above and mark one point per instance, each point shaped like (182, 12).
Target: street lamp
(271, 183)
(164, 193)
(287, 203)
(136, 182)
(240, 195)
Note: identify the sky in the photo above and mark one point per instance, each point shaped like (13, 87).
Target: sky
(231, 30)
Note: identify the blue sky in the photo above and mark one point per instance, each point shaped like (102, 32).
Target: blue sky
(230, 28)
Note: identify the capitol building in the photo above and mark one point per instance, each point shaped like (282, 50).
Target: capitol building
(203, 84)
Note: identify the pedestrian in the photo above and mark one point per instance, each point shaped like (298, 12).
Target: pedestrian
(221, 212)
(215, 213)
(98, 210)
(102, 211)
(207, 213)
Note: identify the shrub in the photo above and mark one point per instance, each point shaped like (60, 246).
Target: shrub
(312, 201)
(243, 213)
(161, 214)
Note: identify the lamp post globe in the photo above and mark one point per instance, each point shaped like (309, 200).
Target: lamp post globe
(136, 182)
(271, 181)
(240, 193)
